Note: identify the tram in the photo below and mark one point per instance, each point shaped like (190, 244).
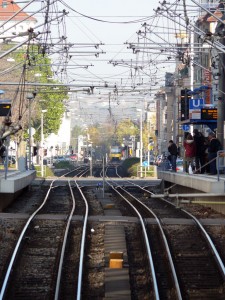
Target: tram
(115, 153)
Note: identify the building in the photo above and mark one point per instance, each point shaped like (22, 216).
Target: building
(14, 30)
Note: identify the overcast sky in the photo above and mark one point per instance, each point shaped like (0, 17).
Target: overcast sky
(81, 28)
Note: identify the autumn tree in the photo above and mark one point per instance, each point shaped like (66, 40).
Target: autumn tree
(125, 129)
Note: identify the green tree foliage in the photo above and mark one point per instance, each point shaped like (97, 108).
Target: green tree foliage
(47, 97)
(125, 129)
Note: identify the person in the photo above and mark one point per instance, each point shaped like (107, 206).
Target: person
(200, 151)
(190, 152)
(172, 148)
(2, 152)
(213, 148)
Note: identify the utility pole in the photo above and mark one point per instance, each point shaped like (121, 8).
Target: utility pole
(221, 106)
(221, 96)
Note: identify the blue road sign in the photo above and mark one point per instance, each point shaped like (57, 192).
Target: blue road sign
(185, 127)
(196, 103)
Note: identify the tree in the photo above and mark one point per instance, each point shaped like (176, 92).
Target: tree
(33, 61)
(125, 129)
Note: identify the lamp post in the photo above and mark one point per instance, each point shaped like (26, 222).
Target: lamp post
(91, 162)
(42, 141)
(141, 143)
(29, 98)
(148, 143)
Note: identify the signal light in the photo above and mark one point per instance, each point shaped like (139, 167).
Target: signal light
(5, 109)
(184, 104)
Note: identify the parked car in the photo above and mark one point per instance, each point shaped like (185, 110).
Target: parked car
(74, 157)
(58, 158)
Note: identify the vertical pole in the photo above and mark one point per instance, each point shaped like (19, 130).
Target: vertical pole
(91, 163)
(192, 57)
(7, 157)
(221, 106)
(149, 127)
(103, 173)
(29, 156)
(141, 144)
(42, 142)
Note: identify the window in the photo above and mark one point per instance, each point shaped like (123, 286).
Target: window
(4, 4)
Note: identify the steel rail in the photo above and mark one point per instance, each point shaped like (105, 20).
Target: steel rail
(206, 235)
(117, 172)
(62, 255)
(151, 263)
(82, 246)
(176, 282)
(210, 242)
(79, 174)
(76, 169)
(18, 244)
(83, 172)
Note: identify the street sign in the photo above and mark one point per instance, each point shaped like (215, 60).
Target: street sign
(196, 103)
(185, 127)
(195, 106)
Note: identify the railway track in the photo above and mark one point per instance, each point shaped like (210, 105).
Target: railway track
(78, 172)
(198, 271)
(37, 265)
(181, 273)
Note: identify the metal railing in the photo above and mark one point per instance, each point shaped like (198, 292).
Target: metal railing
(44, 170)
(219, 158)
(143, 171)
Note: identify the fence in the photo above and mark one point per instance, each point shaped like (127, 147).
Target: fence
(143, 171)
(38, 170)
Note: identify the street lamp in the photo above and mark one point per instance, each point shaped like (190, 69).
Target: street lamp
(91, 161)
(30, 97)
(42, 142)
(141, 144)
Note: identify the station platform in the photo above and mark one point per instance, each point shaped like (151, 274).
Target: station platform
(198, 182)
(12, 183)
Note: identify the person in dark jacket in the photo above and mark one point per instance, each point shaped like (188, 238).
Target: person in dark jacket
(213, 148)
(172, 148)
(200, 151)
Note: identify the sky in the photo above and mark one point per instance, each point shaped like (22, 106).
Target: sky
(113, 36)
(112, 68)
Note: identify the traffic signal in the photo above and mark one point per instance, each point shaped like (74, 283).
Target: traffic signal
(184, 104)
(34, 151)
(5, 109)
(45, 152)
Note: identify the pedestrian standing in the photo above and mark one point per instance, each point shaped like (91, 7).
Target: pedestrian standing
(190, 152)
(213, 148)
(200, 151)
(172, 148)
